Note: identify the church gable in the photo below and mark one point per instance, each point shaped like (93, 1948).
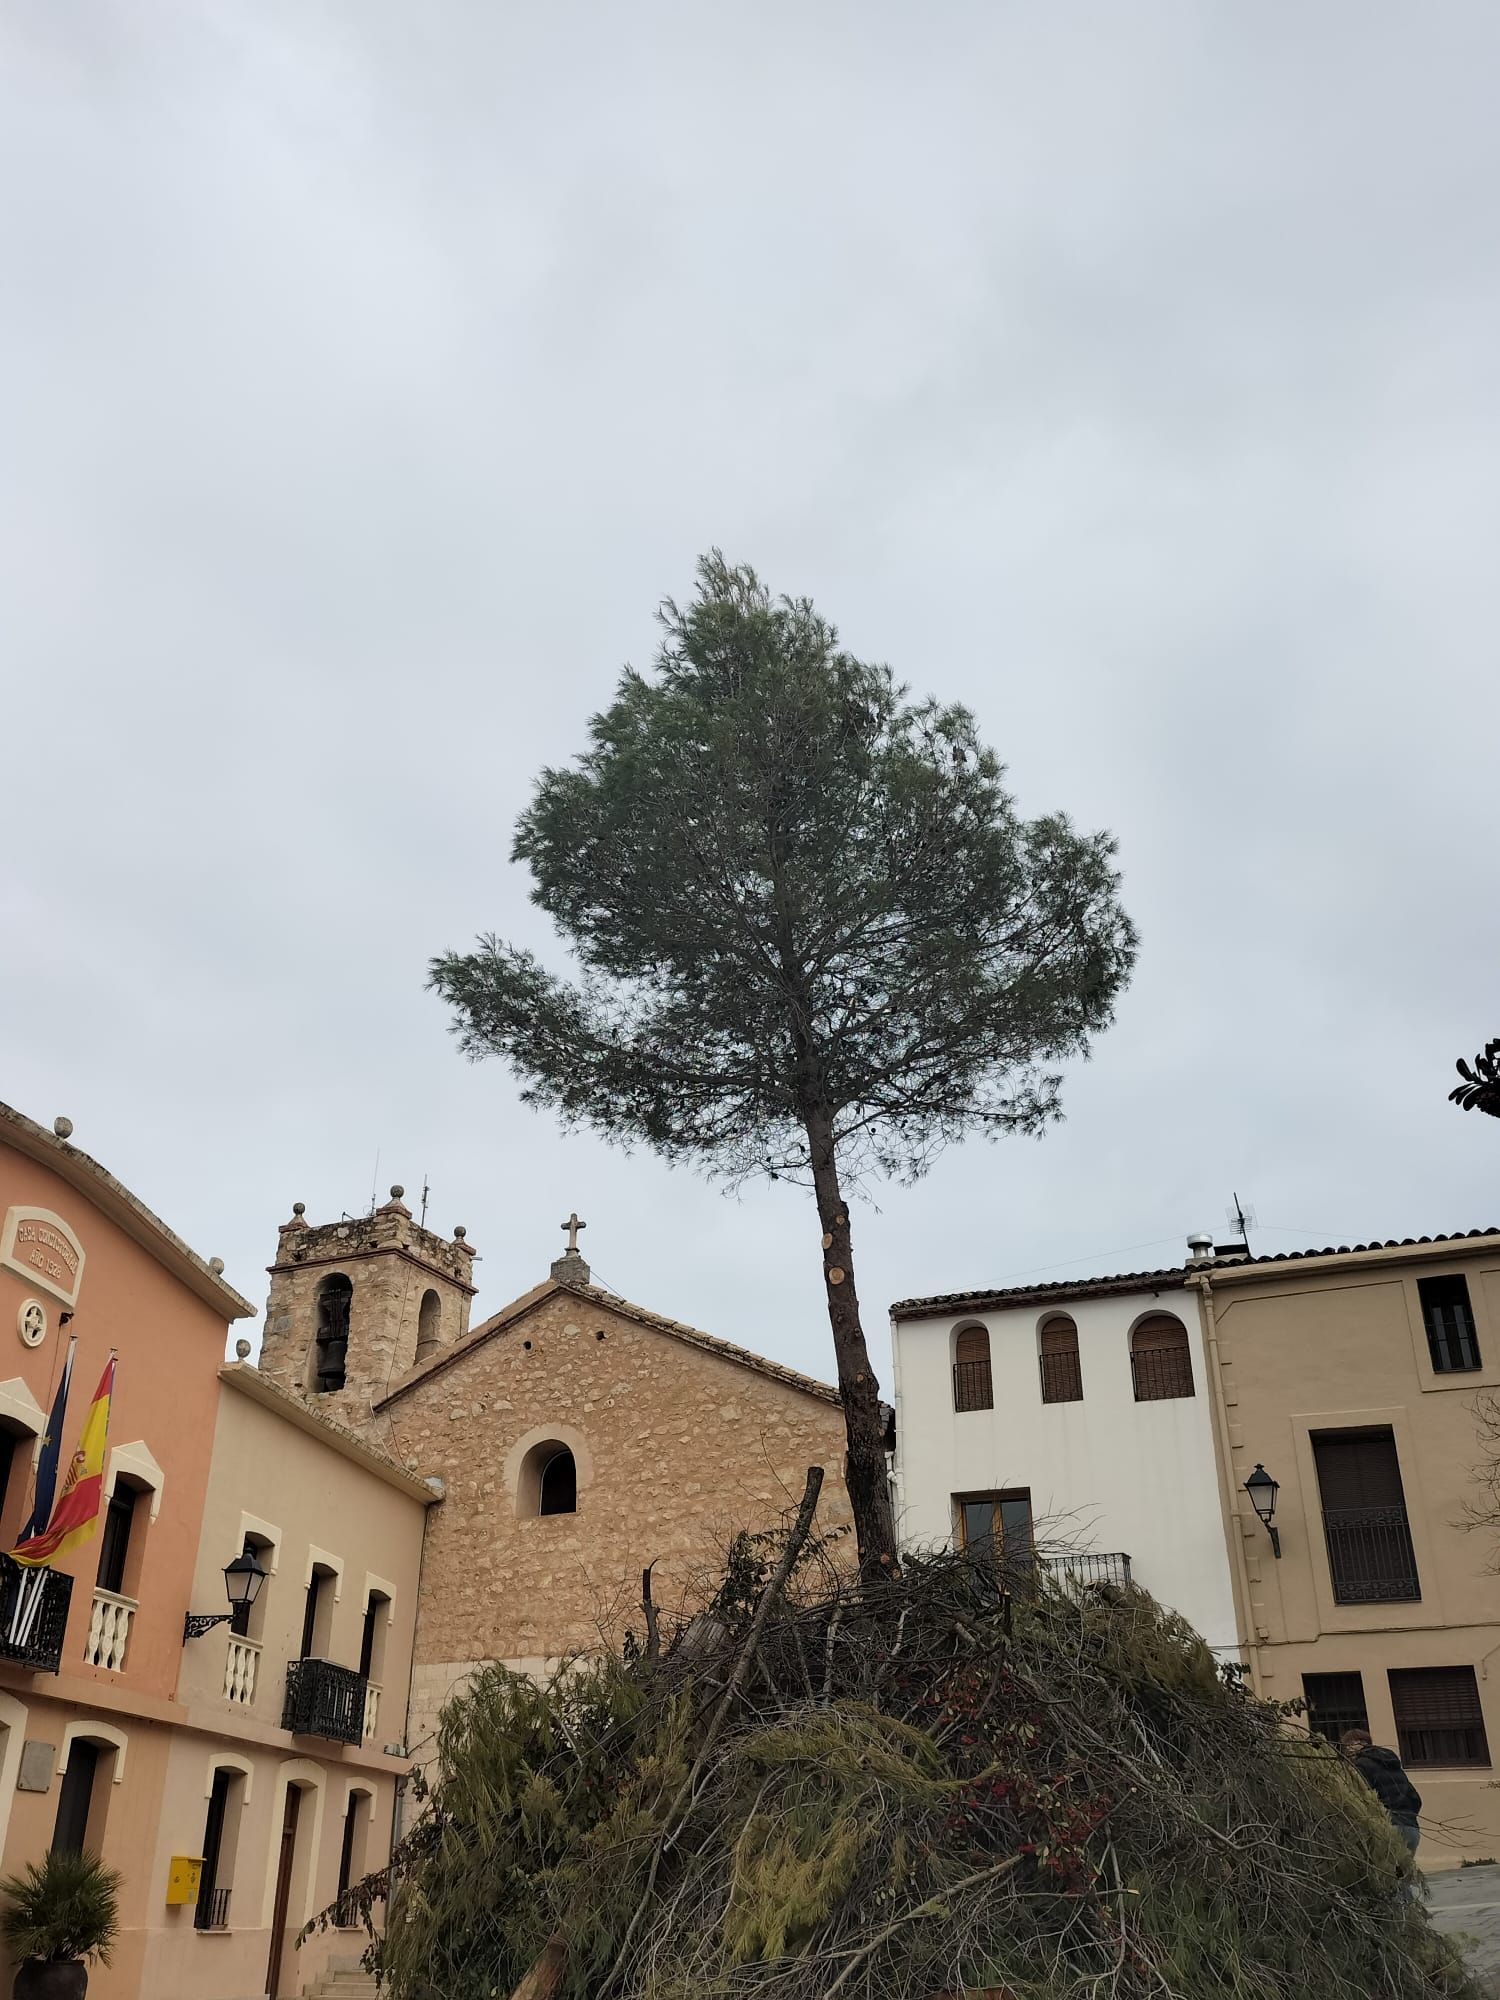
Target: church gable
(589, 1299)
(580, 1438)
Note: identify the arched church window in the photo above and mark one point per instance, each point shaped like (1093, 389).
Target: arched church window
(335, 1296)
(559, 1484)
(429, 1316)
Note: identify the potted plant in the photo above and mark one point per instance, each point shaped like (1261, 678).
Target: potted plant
(61, 1912)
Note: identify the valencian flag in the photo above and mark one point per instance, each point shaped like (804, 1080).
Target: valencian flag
(76, 1514)
(46, 1465)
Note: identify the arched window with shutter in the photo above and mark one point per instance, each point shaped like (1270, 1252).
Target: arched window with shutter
(972, 1389)
(1161, 1361)
(1062, 1377)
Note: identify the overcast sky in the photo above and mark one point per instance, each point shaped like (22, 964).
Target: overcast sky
(369, 371)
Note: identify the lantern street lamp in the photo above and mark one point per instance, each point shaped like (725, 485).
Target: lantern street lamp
(242, 1580)
(1263, 1489)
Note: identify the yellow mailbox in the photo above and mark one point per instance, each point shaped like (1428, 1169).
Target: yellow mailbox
(183, 1877)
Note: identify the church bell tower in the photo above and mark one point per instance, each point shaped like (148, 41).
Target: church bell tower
(355, 1305)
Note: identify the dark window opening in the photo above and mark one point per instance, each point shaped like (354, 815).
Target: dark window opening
(114, 1538)
(9, 1442)
(1438, 1716)
(1161, 1361)
(1370, 1554)
(997, 1527)
(972, 1386)
(1449, 1318)
(559, 1485)
(429, 1321)
(1062, 1377)
(352, 1817)
(212, 1911)
(317, 1584)
(335, 1296)
(75, 1797)
(371, 1649)
(1335, 1702)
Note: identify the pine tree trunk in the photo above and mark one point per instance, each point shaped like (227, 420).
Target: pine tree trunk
(865, 1464)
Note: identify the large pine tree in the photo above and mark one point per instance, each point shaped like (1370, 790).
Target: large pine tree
(814, 940)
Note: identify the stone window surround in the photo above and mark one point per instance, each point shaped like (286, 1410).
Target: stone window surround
(516, 1458)
(19, 1407)
(386, 1589)
(320, 1558)
(226, 1760)
(13, 1716)
(269, 1536)
(136, 1460)
(93, 1731)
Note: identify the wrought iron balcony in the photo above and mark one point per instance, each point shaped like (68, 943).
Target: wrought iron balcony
(1370, 1555)
(33, 1616)
(1087, 1568)
(324, 1700)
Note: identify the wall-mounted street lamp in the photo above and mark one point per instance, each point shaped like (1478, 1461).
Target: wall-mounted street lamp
(1263, 1489)
(243, 1579)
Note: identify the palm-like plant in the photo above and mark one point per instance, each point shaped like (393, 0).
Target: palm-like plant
(1480, 1089)
(65, 1906)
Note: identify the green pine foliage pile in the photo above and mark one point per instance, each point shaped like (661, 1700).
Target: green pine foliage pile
(947, 1783)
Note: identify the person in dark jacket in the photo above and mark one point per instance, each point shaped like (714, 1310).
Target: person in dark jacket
(1382, 1772)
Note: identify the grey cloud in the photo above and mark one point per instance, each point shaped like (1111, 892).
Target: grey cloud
(368, 373)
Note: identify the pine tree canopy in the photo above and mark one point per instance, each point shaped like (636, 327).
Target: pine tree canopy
(792, 893)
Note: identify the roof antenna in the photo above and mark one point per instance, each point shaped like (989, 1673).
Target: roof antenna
(1244, 1221)
(374, 1180)
(425, 1192)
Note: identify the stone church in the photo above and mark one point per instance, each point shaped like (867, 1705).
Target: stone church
(577, 1437)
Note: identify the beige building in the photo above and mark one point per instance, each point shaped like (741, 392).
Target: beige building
(1351, 1375)
(283, 1776)
(578, 1438)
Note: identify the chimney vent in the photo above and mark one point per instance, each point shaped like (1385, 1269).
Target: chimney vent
(1200, 1248)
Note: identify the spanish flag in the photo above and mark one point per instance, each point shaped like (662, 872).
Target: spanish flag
(76, 1514)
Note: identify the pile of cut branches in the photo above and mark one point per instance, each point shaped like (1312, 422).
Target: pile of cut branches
(951, 1782)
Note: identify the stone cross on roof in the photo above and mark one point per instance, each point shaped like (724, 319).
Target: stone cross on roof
(570, 1268)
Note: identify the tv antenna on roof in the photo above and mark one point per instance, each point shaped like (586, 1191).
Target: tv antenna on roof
(425, 1192)
(1244, 1221)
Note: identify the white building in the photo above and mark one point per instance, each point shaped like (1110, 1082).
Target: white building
(1080, 1411)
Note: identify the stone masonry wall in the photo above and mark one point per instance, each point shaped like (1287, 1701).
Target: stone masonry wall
(676, 1449)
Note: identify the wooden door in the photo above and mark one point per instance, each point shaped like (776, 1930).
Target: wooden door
(283, 1888)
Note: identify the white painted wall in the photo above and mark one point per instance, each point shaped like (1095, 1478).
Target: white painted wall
(1107, 1473)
